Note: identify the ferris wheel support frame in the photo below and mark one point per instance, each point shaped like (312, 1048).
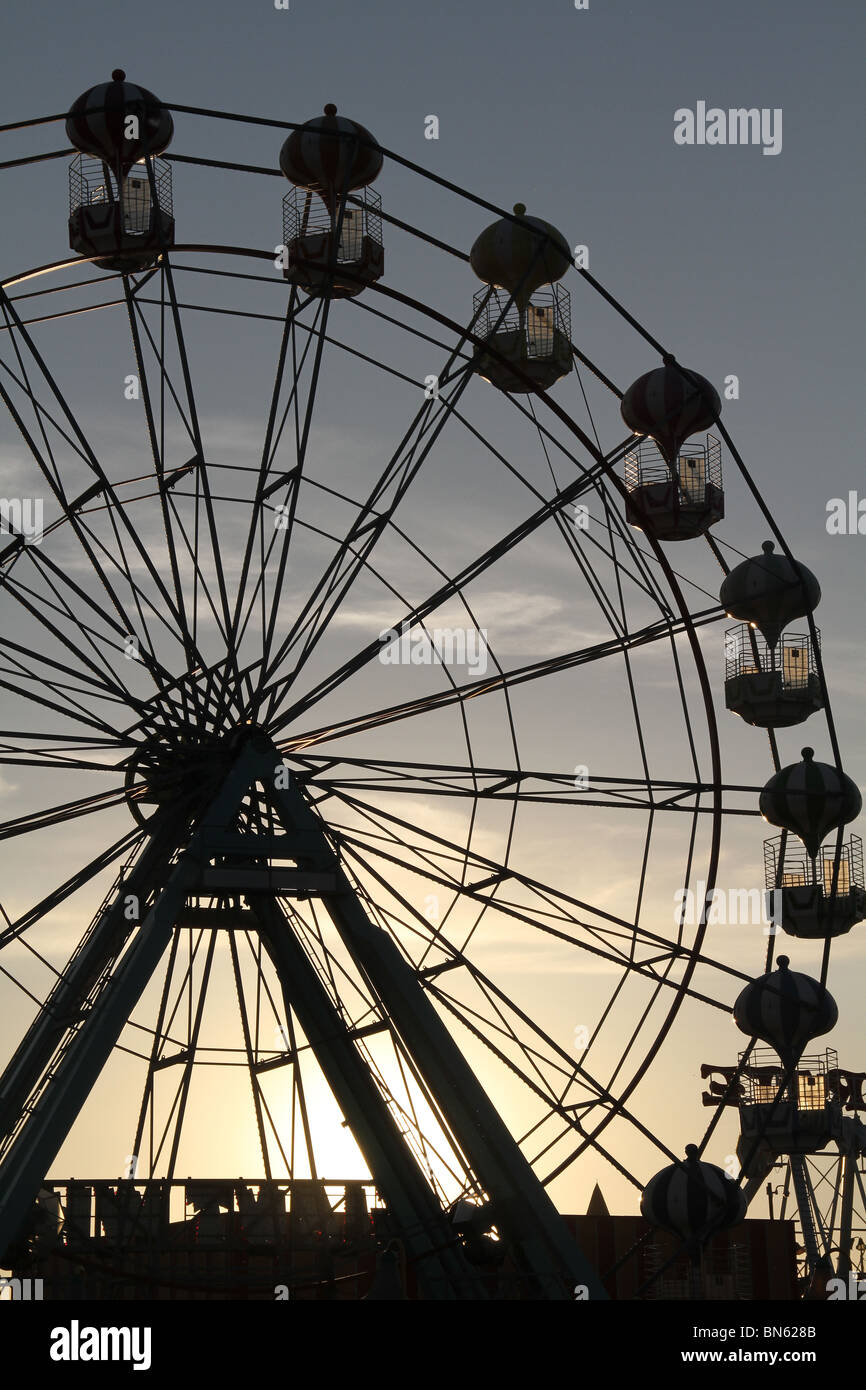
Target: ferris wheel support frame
(519, 1205)
(602, 466)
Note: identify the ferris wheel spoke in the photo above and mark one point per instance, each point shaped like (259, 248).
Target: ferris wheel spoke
(642, 581)
(31, 696)
(340, 576)
(43, 417)
(290, 479)
(467, 1019)
(58, 582)
(70, 511)
(123, 846)
(614, 522)
(200, 584)
(139, 599)
(475, 781)
(464, 361)
(556, 1107)
(56, 763)
(432, 867)
(54, 577)
(36, 605)
(104, 484)
(168, 482)
(201, 472)
(457, 958)
(158, 351)
(12, 754)
(342, 571)
(87, 686)
(239, 621)
(386, 584)
(366, 1019)
(557, 1058)
(270, 443)
(293, 477)
(78, 743)
(63, 690)
(54, 815)
(302, 437)
(449, 590)
(472, 689)
(552, 918)
(645, 581)
(158, 456)
(101, 678)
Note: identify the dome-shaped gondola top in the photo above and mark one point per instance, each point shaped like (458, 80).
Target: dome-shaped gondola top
(786, 1010)
(669, 406)
(770, 592)
(522, 252)
(693, 1199)
(98, 123)
(810, 799)
(331, 155)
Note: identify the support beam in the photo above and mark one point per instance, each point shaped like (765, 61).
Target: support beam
(430, 1240)
(100, 945)
(538, 1241)
(88, 1047)
(520, 1207)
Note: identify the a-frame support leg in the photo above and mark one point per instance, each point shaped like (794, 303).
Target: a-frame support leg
(521, 1209)
(87, 1051)
(519, 1205)
(428, 1236)
(67, 1000)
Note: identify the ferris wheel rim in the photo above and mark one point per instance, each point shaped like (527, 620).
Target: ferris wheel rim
(266, 255)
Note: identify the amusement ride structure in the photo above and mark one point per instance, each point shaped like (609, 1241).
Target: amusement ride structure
(335, 840)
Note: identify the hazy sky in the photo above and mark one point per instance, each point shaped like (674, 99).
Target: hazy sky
(740, 262)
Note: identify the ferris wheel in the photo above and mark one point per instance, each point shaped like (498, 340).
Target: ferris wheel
(333, 639)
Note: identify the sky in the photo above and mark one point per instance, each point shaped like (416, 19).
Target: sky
(743, 263)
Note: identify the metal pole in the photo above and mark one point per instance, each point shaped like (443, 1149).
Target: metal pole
(520, 1206)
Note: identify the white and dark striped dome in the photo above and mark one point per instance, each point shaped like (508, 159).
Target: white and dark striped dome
(97, 123)
(810, 799)
(693, 1199)
(786, 1010)
(668, 407)
(767, 590)
(331, 155)
(527, 253)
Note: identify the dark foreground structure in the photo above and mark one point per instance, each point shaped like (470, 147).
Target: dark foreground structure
(230, 1240)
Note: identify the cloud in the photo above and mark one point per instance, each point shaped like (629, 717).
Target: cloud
(528, 622)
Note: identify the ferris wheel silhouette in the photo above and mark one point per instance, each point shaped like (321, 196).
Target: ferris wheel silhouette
(348, 831)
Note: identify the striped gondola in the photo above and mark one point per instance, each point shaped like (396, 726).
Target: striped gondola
(786, 1010)
(520, 256)
(769, 591)
(668, 406)
(693, 1199)
(331, 155)
(97, 123)
(810, 799)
